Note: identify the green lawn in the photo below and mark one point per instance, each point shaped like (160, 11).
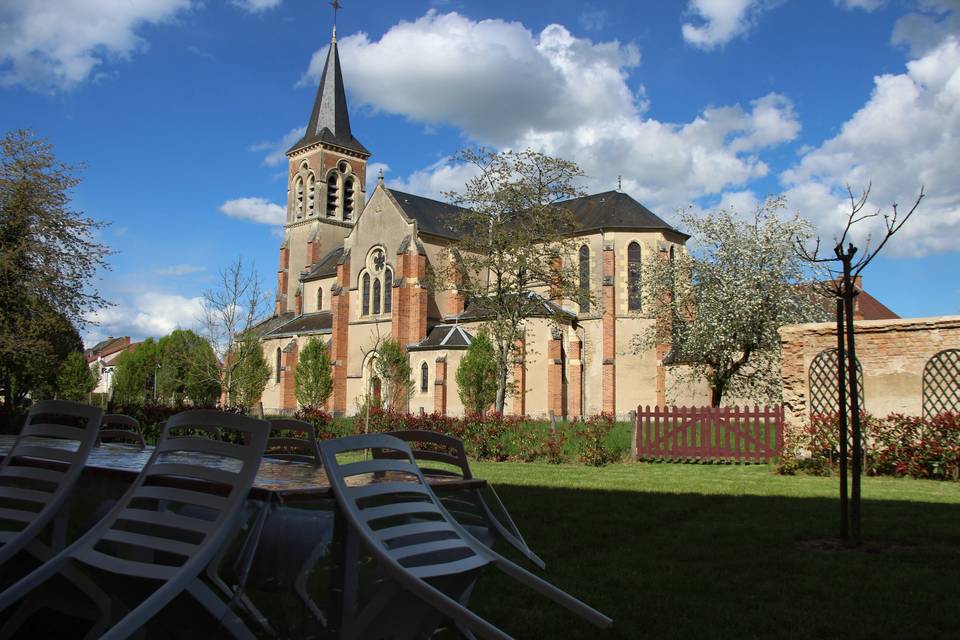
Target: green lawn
(692, 551)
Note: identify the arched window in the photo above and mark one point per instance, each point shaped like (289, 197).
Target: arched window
(348, 199)
(424, 377)
(278, 365)
(333, 193)
(941, 383)
(376, 295)
(319, 298)
(388, 291)
(633, 277)
(365, 295)
(585, 279)
(311, 195)
(298, 190)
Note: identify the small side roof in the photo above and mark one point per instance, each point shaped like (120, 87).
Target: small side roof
(444, 336)
(325, 268)
(304, 324)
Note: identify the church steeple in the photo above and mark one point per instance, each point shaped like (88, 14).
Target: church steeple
(329, 120)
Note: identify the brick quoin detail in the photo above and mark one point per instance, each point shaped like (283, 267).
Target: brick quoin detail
(409, 313)
(575, 377)
(338, 341)
(609, 379)
(520, 380)
(288, 377)
(440, 387)
(282, 277)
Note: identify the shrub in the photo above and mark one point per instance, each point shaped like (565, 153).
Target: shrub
(326, 427)
(592, 434)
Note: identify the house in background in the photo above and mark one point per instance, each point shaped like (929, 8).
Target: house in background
(102, 357)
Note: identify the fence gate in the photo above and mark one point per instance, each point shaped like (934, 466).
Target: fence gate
(705, 434)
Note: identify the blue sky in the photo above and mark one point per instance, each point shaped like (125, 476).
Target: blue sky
(180, 110)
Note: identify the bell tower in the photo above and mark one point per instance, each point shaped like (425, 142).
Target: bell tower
(326, 183)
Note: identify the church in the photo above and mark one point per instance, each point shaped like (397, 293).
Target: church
(352, 269)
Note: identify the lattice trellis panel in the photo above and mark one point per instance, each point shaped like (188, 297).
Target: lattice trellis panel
(823, 383)
(941, 383)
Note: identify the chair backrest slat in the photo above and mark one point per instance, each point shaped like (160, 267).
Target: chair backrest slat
(300, 449)
(117, 426)
(40, 456)
(160, 510)
(378, 466)
(452, 452)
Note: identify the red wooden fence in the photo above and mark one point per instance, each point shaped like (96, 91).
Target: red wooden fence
(703, 434)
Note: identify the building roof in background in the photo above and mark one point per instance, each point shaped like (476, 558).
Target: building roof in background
(540, 308)
(106, 347)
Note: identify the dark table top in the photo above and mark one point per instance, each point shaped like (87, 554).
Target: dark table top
(282, 478)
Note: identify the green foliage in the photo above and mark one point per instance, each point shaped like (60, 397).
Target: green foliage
(188, 369)
(252, 371)
(76, 380)
(512, 242)
(393, 367)
(48, 256)
(314, 382)
(39, 341)
(897, 445)
(593, 436)
(477, 375)
(135, 374)
(720, 307)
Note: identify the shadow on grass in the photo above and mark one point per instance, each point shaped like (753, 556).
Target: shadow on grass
(693, 566)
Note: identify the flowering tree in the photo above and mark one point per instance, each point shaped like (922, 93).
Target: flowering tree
(512, 240)
(720, 305)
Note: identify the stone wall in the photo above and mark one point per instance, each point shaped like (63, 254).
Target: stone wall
(892, 354)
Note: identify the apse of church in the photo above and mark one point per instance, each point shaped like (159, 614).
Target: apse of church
(352, 269)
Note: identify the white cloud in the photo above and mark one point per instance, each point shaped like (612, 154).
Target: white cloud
(509, 88)
(255, 209)
(904, 136)
(58, 44)
(255, 6)
(179, 270)
(866, 5)
(145, 314)
(721, 20)
(276, 151)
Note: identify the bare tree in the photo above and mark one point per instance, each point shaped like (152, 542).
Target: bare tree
(230, 311)
(844, 268)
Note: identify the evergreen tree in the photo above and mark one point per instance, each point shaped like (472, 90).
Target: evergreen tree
(314, 382)
(185, 362)
(76, 379)
(477, 375)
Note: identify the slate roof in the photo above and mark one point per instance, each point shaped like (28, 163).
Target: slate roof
(432, 216)
(614, 210)
(106, 347)
(272, 323)
(329, 120)
(543, 309)
(608, 210)
(444, 336)
(325, 268)
(307, 323)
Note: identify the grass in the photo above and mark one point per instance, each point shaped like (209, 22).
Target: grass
(718, 551)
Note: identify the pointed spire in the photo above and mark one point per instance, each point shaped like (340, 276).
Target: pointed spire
(329, 120)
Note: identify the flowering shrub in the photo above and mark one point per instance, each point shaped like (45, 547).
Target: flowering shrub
(593, 436)
(896, 445)
(326, 427)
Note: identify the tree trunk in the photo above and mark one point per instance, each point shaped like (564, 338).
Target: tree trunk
(716, 394)
(502, 355)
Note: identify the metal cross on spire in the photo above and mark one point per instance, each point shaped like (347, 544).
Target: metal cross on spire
(336, 7)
